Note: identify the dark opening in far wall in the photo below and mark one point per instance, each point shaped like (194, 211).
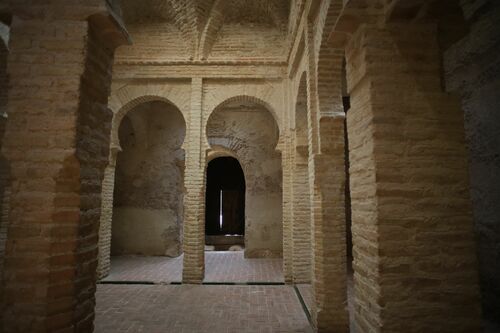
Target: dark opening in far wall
(225, 198)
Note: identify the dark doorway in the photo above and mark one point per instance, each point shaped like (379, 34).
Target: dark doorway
(225, 203)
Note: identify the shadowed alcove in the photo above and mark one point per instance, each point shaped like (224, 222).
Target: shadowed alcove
(225, 203)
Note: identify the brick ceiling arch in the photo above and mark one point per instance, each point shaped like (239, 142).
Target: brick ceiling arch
(200, 21)
(118, 116)
(250, 100)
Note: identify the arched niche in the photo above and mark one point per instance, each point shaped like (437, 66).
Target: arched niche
(247, 129)
(149, 186)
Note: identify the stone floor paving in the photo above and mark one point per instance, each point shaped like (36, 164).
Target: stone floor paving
(199, 308)
(219, 267)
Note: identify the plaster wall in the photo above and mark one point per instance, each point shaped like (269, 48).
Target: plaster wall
(250, 132)
(148, 198)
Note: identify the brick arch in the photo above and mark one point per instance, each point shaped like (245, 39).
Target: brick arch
(247, 99)
(122, 112)
(220, 151)
(300, 93)
(339, 21)
(329, 62)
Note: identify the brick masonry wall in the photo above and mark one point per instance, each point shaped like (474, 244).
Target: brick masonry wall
(124, 98)
(472, 69)
(301, 212)
(414, 259)
(153, 42)
(4, 167)
(287, 146)
(108, 185)
(326, 186)
(58, 74)
(194, 200)
(246, 42)
(92, 151)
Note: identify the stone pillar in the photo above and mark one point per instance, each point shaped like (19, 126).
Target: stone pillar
(105, 226)
(194, 199)
(326, 186)
(414, 255)
(57, 142)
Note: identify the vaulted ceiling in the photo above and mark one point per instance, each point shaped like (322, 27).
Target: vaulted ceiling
(200, 21)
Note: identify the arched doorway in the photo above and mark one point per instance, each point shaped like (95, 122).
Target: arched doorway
(247, 130)
(225, 204)
(148, 193)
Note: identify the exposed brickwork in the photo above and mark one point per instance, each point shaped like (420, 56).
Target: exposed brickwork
(228, 267)
(171, 309)
(249, 132)
(194, 200)
(326, 186)
(287, 207)
(163, 35)
(301, 234)
(4, 166)
(413, 246)
(50, 244)
(415, 267)
(108, 185)
(472, 68)
(92, 152)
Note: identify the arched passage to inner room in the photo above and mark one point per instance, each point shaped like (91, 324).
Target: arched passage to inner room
(244, 130)
(225, 204)
(147, 205)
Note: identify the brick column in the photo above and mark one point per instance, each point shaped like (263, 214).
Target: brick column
(326, 186)
(301, 216)
(4, 165)
(57, 141)
(414, 253)
(105, 226)
(287, 208)
(194, 199)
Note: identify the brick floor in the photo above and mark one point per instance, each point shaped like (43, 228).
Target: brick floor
(219, 267)
(142, 268)
(199, 308)
(233, 267)
(306, 292)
